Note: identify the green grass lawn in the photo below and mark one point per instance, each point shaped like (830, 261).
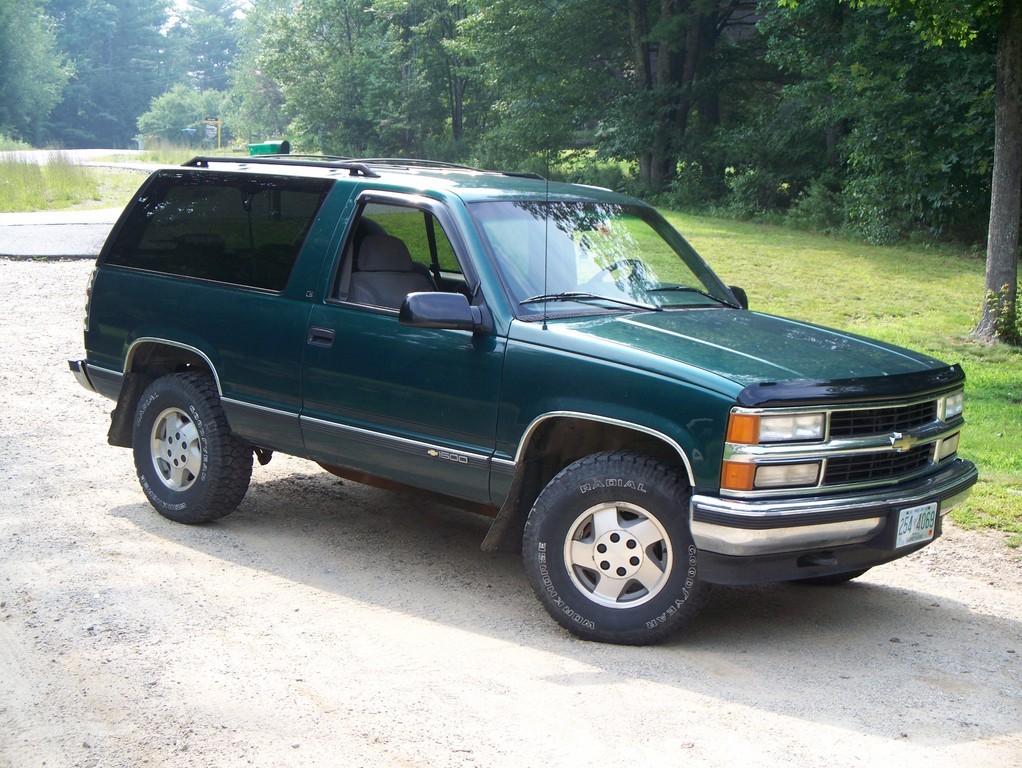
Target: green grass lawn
(927, 299)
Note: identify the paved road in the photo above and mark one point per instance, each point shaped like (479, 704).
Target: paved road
(55, 234)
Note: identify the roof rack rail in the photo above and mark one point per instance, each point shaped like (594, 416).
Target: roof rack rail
(354, 167)
(409, 162)
(406, 162)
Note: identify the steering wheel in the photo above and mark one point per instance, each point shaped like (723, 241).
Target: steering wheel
(636, 266)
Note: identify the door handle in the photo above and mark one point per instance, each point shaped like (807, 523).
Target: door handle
(321, 337)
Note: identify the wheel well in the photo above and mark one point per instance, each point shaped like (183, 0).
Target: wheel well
(148, 361)
(558, 442)
(553, 445)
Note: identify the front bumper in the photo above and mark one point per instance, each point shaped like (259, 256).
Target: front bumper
(749, 542)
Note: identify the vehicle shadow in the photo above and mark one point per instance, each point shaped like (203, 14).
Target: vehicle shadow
(747, 647)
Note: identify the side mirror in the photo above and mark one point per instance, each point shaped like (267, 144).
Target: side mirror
(441, 310)
(740, 296)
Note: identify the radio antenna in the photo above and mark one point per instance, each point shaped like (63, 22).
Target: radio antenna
(546, 236)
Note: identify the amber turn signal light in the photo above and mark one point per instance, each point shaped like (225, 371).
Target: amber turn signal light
(743, 428)
(737, 476)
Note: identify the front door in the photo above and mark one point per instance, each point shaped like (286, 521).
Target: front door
(414, 405)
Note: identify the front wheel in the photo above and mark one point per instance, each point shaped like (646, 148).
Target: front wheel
(608, 551)
(190, 466)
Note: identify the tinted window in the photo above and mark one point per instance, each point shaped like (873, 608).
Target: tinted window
(239, 229)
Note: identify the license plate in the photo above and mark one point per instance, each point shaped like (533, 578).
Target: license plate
(916, 524)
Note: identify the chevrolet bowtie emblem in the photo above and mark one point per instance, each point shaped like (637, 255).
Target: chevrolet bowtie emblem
(901, 442)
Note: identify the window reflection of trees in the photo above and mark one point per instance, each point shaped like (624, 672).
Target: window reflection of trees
(597, 240)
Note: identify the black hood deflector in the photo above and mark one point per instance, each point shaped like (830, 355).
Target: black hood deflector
(874, 388)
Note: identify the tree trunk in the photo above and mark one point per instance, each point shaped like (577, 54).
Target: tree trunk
(999, 319)
(665, 129)
(638, 22)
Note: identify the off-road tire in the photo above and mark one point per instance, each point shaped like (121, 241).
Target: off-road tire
(191, 468)
(607, 550)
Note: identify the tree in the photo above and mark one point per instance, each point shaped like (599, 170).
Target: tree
(179, 109)
(549, 69)
(333, 61)
(432, 51)
(255, 104)
(674, 72)
(117, 50)
(961, 21)
(33, 73)
(203, 42)
(1000, 316)
(896, 132)
(358, 77)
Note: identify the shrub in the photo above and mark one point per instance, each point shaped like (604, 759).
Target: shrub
(818, 209)
(1007, 323)
(754, 192)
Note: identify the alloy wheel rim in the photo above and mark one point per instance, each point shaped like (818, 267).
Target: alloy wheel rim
(176, 449)
(618, 555)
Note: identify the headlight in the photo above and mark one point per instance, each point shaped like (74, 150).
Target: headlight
(953, 405)
(949, 446)
(749, 429)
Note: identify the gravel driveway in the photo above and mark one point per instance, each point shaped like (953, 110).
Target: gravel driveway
(329, 624)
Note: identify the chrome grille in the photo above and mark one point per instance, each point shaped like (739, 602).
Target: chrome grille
(867, 467)
(878, 421)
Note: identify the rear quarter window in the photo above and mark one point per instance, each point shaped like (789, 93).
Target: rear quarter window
(232, 228)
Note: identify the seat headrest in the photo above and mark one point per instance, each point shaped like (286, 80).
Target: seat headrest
(384, 253)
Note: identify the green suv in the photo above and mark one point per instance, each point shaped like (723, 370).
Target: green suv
(554, 356)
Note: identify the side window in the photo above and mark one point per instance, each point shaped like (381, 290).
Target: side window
(232, 228)
(413, 227)
(396, 250)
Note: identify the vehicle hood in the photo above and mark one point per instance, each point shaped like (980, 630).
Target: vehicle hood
(750, 347)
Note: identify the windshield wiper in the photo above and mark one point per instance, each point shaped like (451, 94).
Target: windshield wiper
(581, 296)
(690, 289)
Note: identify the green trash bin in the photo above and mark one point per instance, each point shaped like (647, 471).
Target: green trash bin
(270, 148)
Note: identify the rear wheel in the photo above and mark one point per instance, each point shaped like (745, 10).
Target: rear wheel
(190, 466)
(608, 552)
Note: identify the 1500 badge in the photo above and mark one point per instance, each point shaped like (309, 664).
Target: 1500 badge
(448, 456)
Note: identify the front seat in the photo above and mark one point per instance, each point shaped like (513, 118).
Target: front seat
(385, 273)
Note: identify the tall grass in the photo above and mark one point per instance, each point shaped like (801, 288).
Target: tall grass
(172, 153)
(927, 299)
(7, 143)
(26, 185)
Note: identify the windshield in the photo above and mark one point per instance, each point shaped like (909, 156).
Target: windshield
(577, 258)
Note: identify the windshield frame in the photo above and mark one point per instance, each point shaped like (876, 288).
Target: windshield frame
(528, 305)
